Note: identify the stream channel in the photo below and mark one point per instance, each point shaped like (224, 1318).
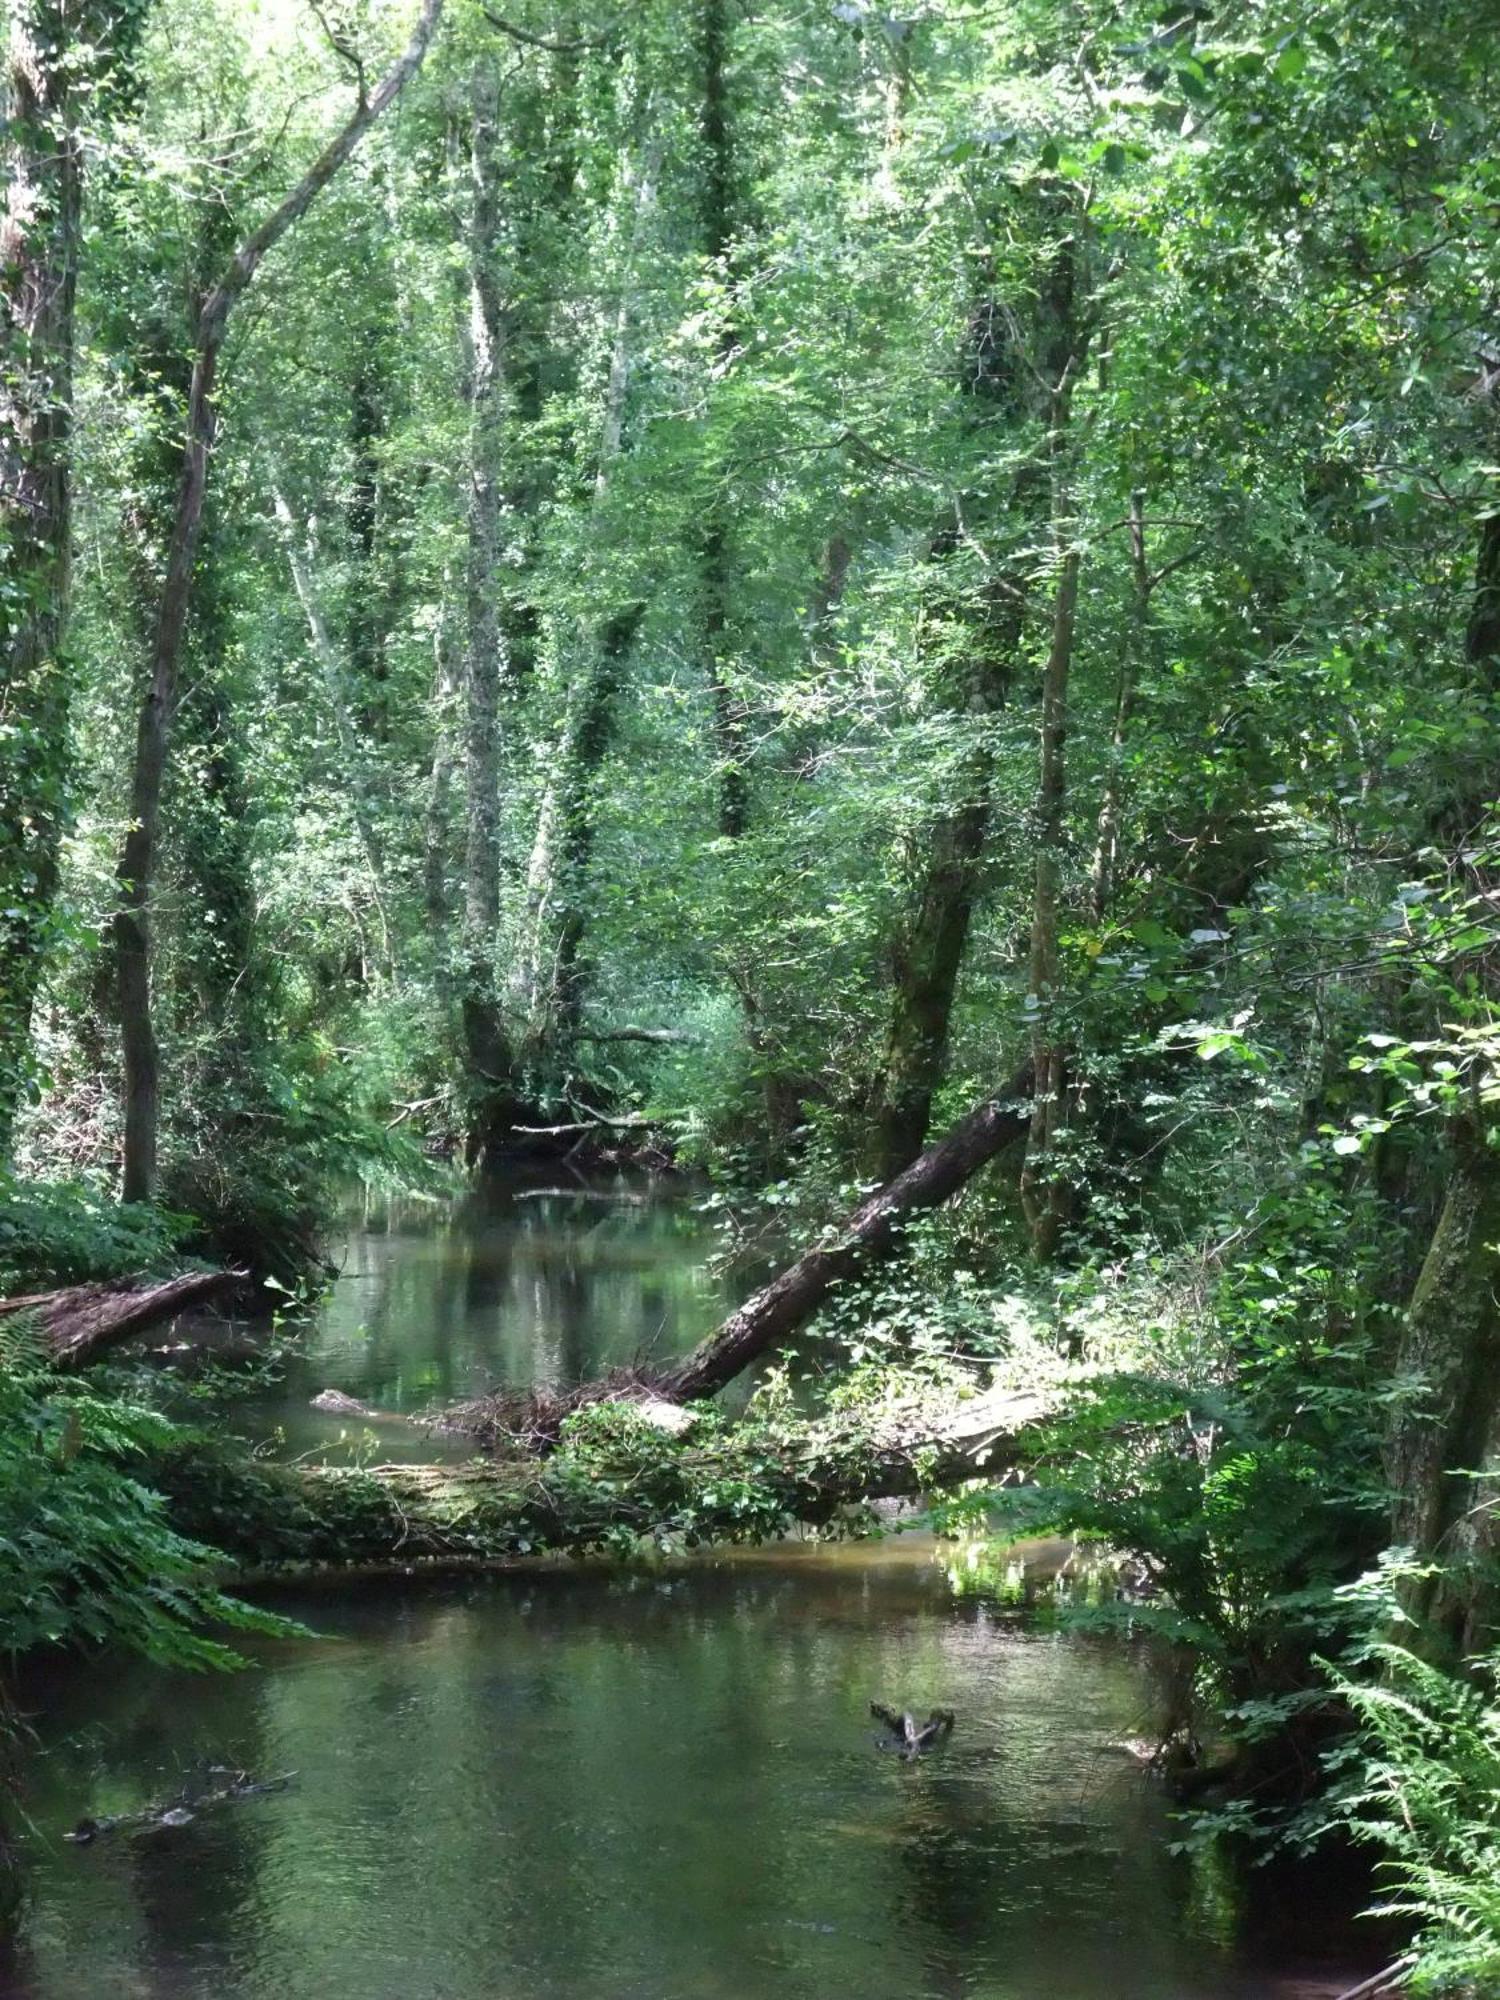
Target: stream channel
(594, 1785)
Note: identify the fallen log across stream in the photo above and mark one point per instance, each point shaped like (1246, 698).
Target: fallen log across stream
(80, 1322)
(795, 1294)
(631, 1481)
(533, 1418)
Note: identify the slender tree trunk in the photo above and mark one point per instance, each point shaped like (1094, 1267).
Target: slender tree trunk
(489, 1053)
(1043, 1196)
(1111, 804)
(39, 236)
(565, 829)
(947, 854)
(1002, 386)
(435, 842)
(730, 714)
(589, 733)
(137, 865)
(351, 748)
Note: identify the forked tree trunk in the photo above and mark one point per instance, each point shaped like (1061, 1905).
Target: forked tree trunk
(137, 865)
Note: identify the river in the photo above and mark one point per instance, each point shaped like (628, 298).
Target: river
(583, 1785)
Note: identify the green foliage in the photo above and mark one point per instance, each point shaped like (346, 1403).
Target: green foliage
(65, 1232)
(1420, 1783)
(87, 1556)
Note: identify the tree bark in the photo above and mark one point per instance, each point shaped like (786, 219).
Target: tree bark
(39, 238)
(1043, 1195)
(489, 1054)
(870, 1233)
(566, 823)
(137, 865)
(81, 1322)
(730, 714)
(435, 840)
(1443, 1456)
(1006, 378)
(356, 764)
(1111, 804)
(585, 746)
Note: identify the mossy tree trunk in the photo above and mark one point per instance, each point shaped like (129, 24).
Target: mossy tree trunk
(1444, 1451)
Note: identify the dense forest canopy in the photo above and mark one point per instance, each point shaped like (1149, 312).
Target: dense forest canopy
(772, 581)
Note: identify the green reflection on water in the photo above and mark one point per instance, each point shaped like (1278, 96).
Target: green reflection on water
(577, 1786)
(501, 1290)
(615, 1787)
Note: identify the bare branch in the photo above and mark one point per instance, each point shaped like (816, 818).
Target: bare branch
(531, 41)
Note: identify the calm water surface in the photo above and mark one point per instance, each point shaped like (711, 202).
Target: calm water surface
(578, 1786)
(512, 1287)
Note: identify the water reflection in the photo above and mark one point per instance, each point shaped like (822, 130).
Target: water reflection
(607, 1789)
(513, 1286)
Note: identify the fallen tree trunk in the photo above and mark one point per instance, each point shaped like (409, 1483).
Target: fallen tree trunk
(78, 1323)
(795, 1295)
(747, 1483)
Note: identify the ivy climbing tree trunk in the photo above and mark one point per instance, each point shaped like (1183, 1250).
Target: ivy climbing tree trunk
(1007, 377)
(1443, 1457)
(731, 719)
(489, 1053)
(46, 65)
(299, 555)
(137, 865)
(566, 821)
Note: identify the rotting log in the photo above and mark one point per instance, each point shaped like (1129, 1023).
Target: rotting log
(791, 1298)
(80, 1322)
(747, 1482)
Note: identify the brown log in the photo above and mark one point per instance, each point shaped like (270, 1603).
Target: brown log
(79, 1322)
(791, 1299)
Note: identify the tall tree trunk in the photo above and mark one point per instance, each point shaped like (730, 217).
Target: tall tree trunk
(1006, 377)
(585, 746)
(565, 827)
(1443, 1457)
(39, 237)
(1443, 1452)
(435, 839)
(137, 865)
(351, 746)
(1043, 1196)
(1111, 804)
(730, 715)
(489, 1053)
